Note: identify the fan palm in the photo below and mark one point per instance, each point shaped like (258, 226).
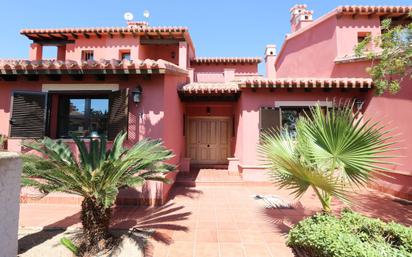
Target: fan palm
(333, 150)
(96, 174)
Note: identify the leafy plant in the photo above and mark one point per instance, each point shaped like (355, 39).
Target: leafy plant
(333, 149)
(351, 235)
(69, 245)
(96, 174)
(3, 140)
(392, 64)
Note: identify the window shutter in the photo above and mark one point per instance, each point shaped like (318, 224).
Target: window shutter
(118, 113)
(28, 118)
(269, 118)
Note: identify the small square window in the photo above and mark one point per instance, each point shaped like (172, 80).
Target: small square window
(362, 36)
(87, 55)
(125, 55)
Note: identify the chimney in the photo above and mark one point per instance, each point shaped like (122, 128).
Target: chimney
(300, 17)
(270, 58)
(137, 24)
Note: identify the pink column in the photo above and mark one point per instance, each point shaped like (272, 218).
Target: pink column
(61, 53)
(229, 74)
(183, 55)
(36, 52)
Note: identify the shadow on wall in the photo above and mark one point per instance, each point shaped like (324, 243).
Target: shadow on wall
(142, 126)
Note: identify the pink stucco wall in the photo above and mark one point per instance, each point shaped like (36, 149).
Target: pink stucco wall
(392, 111)
(158, 116)
(168, 53)
(104, 48)
(249, 105)
(172, 133)
(312, 53)
(348, 28)
(309, 53)
(222, 72)
(111, 48)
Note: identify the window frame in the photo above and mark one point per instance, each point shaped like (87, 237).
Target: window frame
(85, 53)
(122, 52)
(88, 97)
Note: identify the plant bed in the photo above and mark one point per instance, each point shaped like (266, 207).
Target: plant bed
(350, 235)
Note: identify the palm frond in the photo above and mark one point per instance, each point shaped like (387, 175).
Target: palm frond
(98, 174)
(333, 149)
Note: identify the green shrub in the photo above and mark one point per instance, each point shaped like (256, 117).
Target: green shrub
(350, 235)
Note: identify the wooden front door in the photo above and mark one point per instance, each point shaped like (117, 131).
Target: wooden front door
(208, 139)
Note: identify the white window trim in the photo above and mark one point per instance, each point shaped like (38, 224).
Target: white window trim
(302, 103)
(79, 87)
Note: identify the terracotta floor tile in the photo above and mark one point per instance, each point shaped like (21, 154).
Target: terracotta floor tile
(280, 250)
(228, 236)
(274, 237)
(207, 225)
(243, 225)
(206, 250)
(181, 249)
(155, 249)
(227, 225)
(251, 236)
(257, 250)
(185, 236)
(215, 214)
(231, 250)
(206, 235)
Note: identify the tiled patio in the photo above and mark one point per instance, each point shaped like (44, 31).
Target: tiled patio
(217, 220)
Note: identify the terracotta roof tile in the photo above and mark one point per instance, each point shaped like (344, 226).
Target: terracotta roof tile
(235, 87)
(210, 88)
(307, 83)
(167, 32)
(148, 64)
(141, 29)
(367, 9)
(208, 60)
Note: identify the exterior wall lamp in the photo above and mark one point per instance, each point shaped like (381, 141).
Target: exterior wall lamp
(359, 103)
(137, 94)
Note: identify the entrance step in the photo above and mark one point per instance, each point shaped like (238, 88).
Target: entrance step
(209, 176)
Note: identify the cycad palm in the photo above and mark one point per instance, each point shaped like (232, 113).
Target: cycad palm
(333, 149)
(95, 174)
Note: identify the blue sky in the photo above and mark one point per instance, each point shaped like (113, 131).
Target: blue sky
(217, 27)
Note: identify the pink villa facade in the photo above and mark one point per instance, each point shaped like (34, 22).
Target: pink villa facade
(150, 82)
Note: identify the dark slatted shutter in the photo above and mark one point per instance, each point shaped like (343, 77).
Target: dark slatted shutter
(269, 118)
(28, 118)
(118, 113)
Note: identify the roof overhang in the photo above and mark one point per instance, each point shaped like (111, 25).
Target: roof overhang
(198, 91)
(385, 11)
(108, 67)
(324, 83)
(147, 33)
(226, 60)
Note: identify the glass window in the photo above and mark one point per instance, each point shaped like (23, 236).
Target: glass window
(77, 117)
(87, 55)
(125, 56)
(290, 116)
(83, 116)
